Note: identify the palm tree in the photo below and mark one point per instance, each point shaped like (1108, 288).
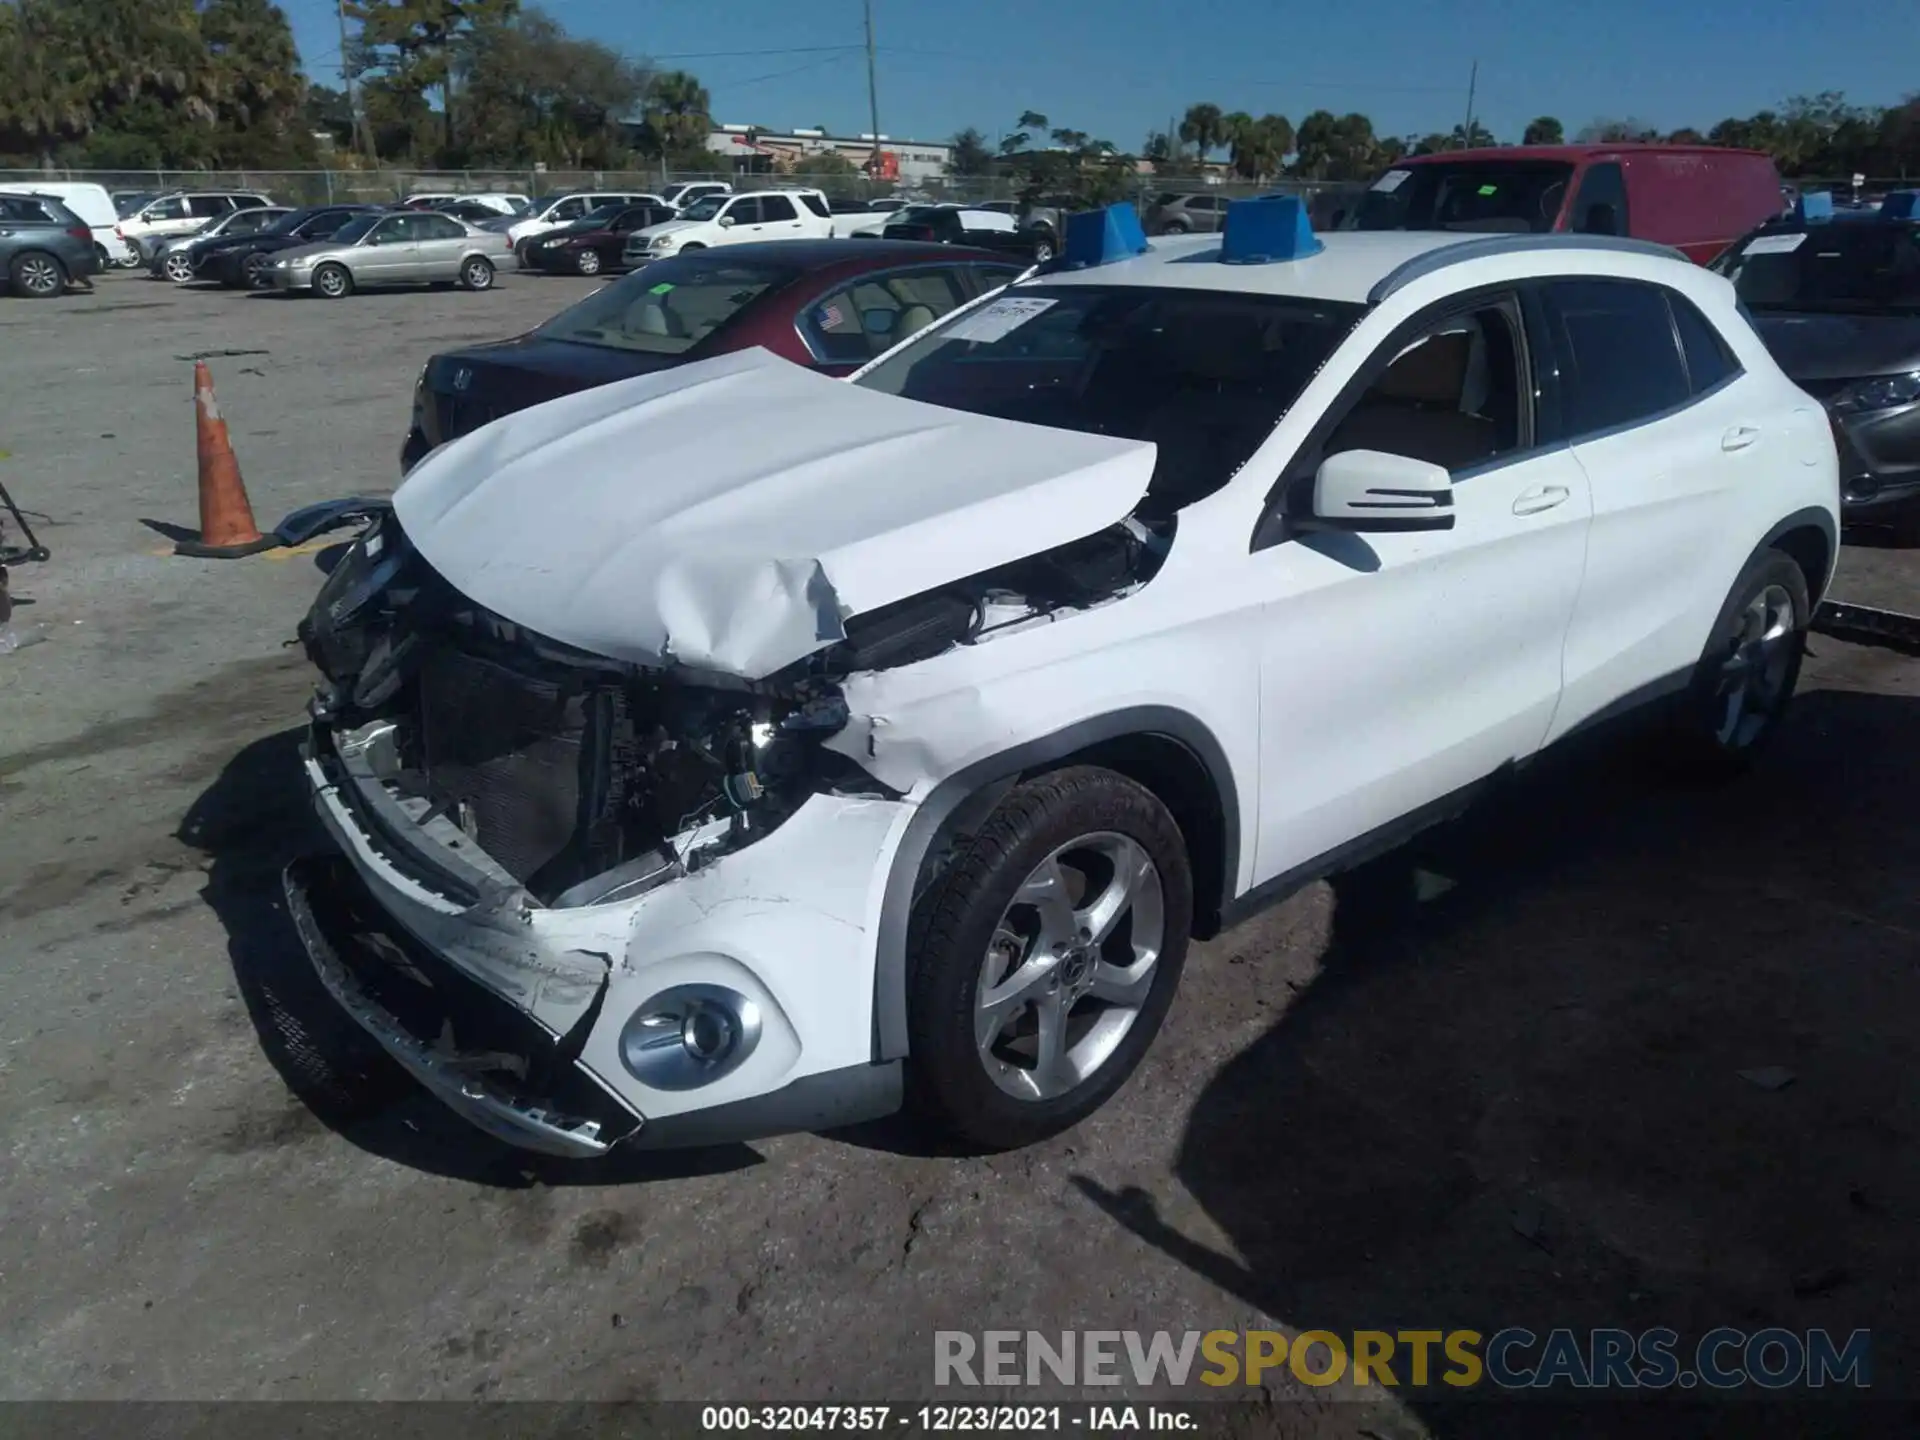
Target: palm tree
(675, 115)
(1544, 130)
(1204, 128)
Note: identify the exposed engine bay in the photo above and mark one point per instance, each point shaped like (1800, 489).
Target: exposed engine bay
(566, 767)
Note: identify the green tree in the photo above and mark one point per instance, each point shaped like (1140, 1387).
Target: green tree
(971, 155)
(1544, 131)
(1472, 136)
(534, 92)
(418, 45)
(1258, 146)
(1204, 128)
(675, 120)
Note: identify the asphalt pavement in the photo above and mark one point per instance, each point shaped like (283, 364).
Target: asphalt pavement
(1518, 1101)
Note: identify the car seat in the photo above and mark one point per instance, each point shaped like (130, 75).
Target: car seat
(1415, 408)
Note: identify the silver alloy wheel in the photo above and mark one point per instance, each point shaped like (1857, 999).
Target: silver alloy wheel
(1042, 253)
(330, 281)
(38, 275)
(589, 262)
(1755, 672)
(255, 268)
(178, 267)
(478, 275)
(1071, 963)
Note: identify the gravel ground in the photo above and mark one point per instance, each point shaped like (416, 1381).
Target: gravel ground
(1519, 1103)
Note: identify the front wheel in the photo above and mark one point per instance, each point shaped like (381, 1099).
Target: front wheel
(476, 274)
(1045, 959)
(253, 271)
(588, 262)
(332, 282)
(1745, 678)
(1042, 251)
(178, 267)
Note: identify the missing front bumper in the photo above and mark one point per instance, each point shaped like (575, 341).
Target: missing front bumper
(473, 1051)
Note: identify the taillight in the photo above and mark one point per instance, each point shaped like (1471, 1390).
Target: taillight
(80, 232)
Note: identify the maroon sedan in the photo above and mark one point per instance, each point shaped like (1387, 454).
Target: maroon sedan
(831, 305)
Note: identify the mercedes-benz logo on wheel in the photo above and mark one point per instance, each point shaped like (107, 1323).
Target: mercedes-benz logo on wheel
(462, 378)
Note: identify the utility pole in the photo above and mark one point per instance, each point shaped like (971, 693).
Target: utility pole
(362, 132)
(1466, 130)
(873, 100)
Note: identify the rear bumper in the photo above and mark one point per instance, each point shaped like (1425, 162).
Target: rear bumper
(787, 927)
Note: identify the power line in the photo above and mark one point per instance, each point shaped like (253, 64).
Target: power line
(781, 74)
(1240, 81)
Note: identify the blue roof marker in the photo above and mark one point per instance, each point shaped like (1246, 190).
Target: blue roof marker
(1817, 206)
(1262, 231)
(1099, 237)
(1901, 205)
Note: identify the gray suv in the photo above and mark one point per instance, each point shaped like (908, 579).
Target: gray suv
(43, 246)
(1184, 214)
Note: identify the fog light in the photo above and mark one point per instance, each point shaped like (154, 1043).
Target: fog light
(689, 1036)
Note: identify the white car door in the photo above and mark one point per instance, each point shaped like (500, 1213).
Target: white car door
(738, 222)
(1667, 436)
(1397, 669)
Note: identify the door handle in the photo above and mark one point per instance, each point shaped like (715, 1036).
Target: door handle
(1541, 497)
(1739, 437)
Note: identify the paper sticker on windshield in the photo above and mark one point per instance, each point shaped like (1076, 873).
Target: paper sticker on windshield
(998, 320)
(662, 288)
(1391, 181)
(1776, 244)
(1489, 189)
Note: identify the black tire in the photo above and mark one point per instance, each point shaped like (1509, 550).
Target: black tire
(253, 272)
(1042, 251)
(1701, 740)
(476, 273)
(333, 282)
(1176, 227)
(523, 253)
(694, 245)
(955, 924)
(588, 262)
(36, 275)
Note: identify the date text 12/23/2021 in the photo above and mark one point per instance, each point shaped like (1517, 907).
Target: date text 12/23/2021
(952, 1419)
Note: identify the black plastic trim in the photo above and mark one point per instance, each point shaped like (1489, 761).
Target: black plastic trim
(953, 793)
(824, 1101)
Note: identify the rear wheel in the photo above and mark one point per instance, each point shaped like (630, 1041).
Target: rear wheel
(588, 262)
(253, 271)
(1745, 678)
(37, 275)
(1042, 251)
(332, 282)
(477, 273)
(1045, 959)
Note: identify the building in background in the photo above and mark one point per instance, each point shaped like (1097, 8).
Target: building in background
(753, 149)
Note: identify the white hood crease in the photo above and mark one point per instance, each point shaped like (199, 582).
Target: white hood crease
(733, 514)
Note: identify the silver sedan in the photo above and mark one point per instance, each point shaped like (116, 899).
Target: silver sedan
(414, 247)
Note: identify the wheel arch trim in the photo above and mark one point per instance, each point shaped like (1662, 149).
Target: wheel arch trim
(972, 793)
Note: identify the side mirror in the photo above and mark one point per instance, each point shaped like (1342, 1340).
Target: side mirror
(1600, 219)
(726, 222)
(1371, 492)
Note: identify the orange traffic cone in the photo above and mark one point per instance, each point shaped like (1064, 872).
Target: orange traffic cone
(227, 530)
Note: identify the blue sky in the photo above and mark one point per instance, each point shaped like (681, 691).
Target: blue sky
(1117, 70)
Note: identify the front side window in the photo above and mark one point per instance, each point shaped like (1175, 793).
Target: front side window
(707, 209)
(1203, 374)
(1600, 208)
(870, 316)
(247, 222)
(324, 224)
(1617, 340)
(174, 207)
(670, 306)
(1498, 197)
(1454, 397)
(743, 212)
(567, 210)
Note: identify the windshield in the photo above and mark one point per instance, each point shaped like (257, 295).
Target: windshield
(1502, 196)
(667, 308)
(704, 209)
(1850, 266)
(355, 229)
(1204, 374)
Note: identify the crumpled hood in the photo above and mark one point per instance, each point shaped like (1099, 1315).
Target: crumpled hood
(731, 514)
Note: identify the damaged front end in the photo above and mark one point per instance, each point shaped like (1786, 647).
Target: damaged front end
(592, 901)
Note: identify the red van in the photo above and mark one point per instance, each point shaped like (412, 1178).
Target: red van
(1697, 198)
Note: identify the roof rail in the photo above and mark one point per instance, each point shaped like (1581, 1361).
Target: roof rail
(1442, 256)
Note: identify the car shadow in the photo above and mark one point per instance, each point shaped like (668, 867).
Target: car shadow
(1646, 1062)
(251, 822)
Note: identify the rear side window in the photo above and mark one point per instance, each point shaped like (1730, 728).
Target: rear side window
(30, 212)
(817, 204)
(438, 227)
(209, 206)
(1709, 361)
(776, 207)
(1623, 363)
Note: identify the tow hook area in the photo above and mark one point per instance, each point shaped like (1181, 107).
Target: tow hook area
(490, 1062)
